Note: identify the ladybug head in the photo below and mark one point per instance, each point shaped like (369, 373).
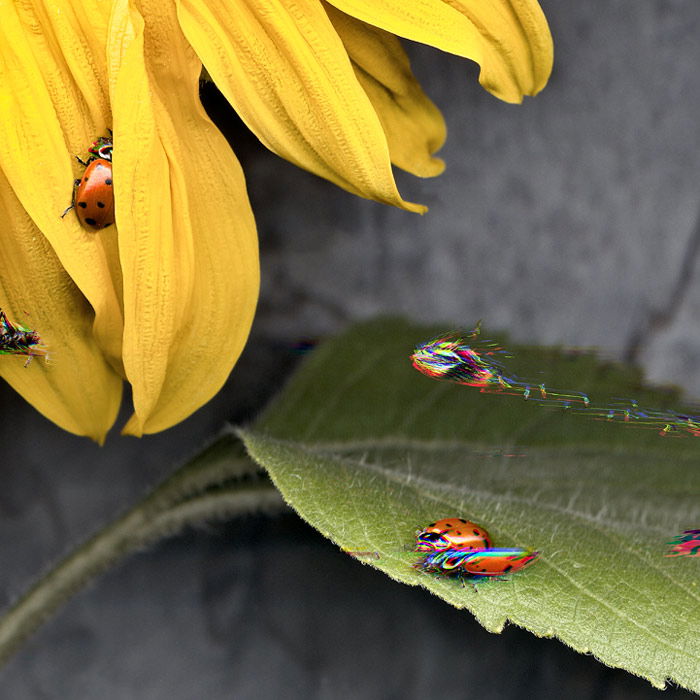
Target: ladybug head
(102, 148)
(430, 541)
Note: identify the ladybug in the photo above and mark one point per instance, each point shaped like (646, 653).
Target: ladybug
(478, 564)
(93, 195)
(452, 533)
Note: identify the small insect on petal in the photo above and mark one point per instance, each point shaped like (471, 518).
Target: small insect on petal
(18, 340)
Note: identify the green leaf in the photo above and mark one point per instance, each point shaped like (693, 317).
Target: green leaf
(368, 450)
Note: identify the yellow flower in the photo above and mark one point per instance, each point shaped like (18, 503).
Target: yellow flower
(165, 299)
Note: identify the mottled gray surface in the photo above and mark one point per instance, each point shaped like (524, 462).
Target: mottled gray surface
(569, 219)
(572, 219)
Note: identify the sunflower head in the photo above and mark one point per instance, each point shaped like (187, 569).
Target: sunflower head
(326, 85)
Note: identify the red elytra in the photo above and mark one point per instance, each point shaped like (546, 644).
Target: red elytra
(452, 533)
(93, 196)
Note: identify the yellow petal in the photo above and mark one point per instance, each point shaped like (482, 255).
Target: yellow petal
(75, 389)
(509, 39)
(413, 125)
(286, 72)
(187, 237)
(53, 104)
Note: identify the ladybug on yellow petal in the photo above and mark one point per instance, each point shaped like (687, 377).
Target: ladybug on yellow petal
(93, 194)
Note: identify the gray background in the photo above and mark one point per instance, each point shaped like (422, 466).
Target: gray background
(571, 219)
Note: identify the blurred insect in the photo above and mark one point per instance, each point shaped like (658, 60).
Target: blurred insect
(465, 358)
(685, 545)
(18, 340)
(459, 547)
(93, 194)
(478, 563)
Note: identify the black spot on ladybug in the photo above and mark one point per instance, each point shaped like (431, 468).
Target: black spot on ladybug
(108, 181)
(84, 179)
(476, 532)
(462, 520)
(431, 524)
(91, 222)
(82, 204)
(101, 205)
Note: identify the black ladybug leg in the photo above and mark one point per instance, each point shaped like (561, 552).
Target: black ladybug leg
(464, 580)
(82, 162)
(72, 203)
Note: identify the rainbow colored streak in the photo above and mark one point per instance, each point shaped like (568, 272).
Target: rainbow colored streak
(686, 544)
(465, 359)
(494, 561)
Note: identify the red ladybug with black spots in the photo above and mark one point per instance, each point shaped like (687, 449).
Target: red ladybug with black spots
(93, 194)
(452, 533)
(460, 547)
